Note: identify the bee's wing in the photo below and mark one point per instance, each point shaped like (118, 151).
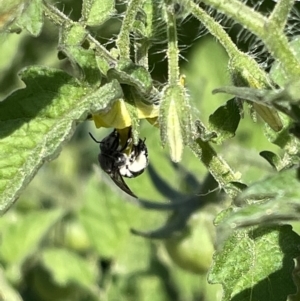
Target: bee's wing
(119, 181)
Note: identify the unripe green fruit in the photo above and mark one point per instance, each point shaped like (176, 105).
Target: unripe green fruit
(193, 248)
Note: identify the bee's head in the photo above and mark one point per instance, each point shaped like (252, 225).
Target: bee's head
(110, 142)
(117, 141)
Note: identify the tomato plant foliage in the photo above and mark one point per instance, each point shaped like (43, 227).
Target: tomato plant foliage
(222, 130)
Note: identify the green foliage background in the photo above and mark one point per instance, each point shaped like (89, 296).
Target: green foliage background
(68, 235)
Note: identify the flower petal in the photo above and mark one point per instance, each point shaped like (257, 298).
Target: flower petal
(117, 117)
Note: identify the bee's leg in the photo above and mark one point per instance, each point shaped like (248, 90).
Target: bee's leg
(128, 141)
(137, 149)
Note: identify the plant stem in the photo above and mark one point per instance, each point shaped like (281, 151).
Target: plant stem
(280, 14)
(217, 166)
(123, 40)
(141, 53)
(101, 51)
(240, 63)
(274, 39)
(60, 19)
(172, 52)
(214, 28)
(55, 15)
(246, 62)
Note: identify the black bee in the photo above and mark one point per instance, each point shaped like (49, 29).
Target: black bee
(118, 162)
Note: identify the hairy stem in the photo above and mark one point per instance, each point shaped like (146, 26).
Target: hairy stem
(240, 63)
(217, 166)
(123, 40)
(60, 19)
(280, 14)
(273, 37)
(172, 52)
(246, 62)
(55, 15)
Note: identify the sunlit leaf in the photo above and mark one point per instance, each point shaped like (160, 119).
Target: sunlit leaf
(271, 200)
(10, 11)
(126, 72)
(70, 43)
(175, 120)
(37, 120)
(257, 264)
(96, 12)
(32, 17)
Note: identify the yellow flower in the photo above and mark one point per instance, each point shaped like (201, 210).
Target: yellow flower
(118, 116)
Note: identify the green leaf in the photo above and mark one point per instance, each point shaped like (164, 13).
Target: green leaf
(70, 43)
(32, 18)
(145, 285)
(150, 21)
(105, 217)
(281, 186)
(171, 131)
(138, 286)
(225, 120)
(10, 11)
(202, 77)
(9, 52)
(21, 237)
(272, 158)
(102, 64)
(189, 284)
(262, 102)
(277, 73)
(8, 292)
(175, 120)
(135, 254)
(37, 120)
(96, 12)
(69, 268)
(257, 264)
(272, 200)
(126, 72)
